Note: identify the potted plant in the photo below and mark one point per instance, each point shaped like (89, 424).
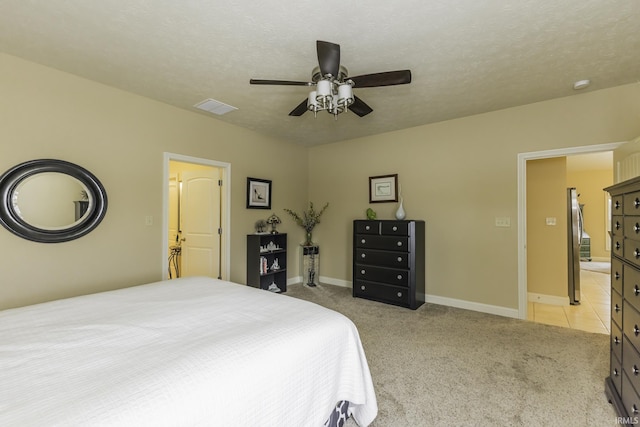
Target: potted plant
(308, 220)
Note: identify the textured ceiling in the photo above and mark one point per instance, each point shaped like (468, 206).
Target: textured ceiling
(466, 57)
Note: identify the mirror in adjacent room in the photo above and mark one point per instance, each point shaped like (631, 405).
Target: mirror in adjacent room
(51, 201)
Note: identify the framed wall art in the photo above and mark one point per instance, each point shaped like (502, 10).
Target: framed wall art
(258, 193)
(383, 188)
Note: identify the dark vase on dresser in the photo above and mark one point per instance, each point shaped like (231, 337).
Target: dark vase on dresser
(389, 261)
(622, 386)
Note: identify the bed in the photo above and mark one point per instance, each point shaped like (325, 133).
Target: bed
(185, 352)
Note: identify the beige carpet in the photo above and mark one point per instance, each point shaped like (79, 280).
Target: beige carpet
(441, 366)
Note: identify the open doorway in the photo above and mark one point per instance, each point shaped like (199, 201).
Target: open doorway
(196, 220)
(523, 159)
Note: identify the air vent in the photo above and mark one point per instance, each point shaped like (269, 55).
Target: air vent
(215, 107)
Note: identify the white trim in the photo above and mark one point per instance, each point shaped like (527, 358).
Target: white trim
(226, 194)
(474, 306)
(434, 299)
(522, 207)
(547, 299)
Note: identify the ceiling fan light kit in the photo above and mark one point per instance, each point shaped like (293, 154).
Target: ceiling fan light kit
(333, 88)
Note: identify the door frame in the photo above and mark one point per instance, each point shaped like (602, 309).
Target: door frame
(226, 213)
(522, 206)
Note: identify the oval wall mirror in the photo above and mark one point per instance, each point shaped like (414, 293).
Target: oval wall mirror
(51, 201)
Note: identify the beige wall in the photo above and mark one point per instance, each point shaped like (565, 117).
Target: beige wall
(459, 176)
(121, 138)
(547, 244)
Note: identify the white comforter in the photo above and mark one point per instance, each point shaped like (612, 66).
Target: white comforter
(187, 352)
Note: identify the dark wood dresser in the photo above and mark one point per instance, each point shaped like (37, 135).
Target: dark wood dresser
(389, 261)
(622, 386)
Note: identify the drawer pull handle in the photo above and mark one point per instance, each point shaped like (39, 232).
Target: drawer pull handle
(636, 228)
(399, 276)
(636, 253)
(363, 287)
(395, 228)
(617, 204)
(636, 203)
(399, 259)
(618, 225)
(617, 276)
(636, 330)
(363, 255)
(616, 308)
(399, 294)
(615, 372)
(399, 243)
(636, 290)
(367, 228)
(363, 272)
(363, 241)
(616, 340)
(617, 246)
(634, 409)
(635, 370)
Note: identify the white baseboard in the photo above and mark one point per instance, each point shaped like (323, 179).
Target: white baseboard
(600, 259)
(547, 299)
(450, 302)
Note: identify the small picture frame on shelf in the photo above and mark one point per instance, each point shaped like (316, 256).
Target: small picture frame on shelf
(383, 188)
(258, 193)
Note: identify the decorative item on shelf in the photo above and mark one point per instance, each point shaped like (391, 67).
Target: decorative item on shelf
(275, 265)
(371, 214)
(274, 221)
(309, 219)
(260, 226)
(400, 214)
(274, 288)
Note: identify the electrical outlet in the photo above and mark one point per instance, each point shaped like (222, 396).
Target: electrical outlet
(550, 220)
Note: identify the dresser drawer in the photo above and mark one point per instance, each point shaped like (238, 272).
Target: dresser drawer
(631, 250)
(616, 246)
(632, 227)
(630, 398)
(617, 225)
(631, 203)
(616, 274)
(616, 205)
(616, 373)
(393, 228)
(616, 307)
(392, 276)
(390, 243)
(382, 258)
(631, 327)
(616, 341)
(380, 292)
(631, 286)
(367, 227)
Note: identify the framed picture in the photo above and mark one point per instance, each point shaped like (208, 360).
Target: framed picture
(383, 188)
(258, 193)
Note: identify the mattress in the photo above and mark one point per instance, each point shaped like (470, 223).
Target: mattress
(185, 352)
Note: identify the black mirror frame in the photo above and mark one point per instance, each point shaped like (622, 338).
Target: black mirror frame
(10, 219)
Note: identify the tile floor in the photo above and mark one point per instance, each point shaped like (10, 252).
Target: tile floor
(592, 315)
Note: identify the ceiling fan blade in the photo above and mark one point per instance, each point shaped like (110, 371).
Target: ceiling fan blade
(278, 82)
(300, 109)
(388, 78)
(359, 107)
(328, 57)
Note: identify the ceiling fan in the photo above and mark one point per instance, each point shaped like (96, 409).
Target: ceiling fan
(333, 87)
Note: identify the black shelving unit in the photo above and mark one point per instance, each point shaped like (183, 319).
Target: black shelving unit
(262, 252)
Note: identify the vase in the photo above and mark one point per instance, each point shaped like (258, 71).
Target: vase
(309, 241)
(400, 214)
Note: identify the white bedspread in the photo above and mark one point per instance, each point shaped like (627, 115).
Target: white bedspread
(187, 352)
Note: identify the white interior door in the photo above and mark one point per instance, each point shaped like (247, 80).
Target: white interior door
(200, 218)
